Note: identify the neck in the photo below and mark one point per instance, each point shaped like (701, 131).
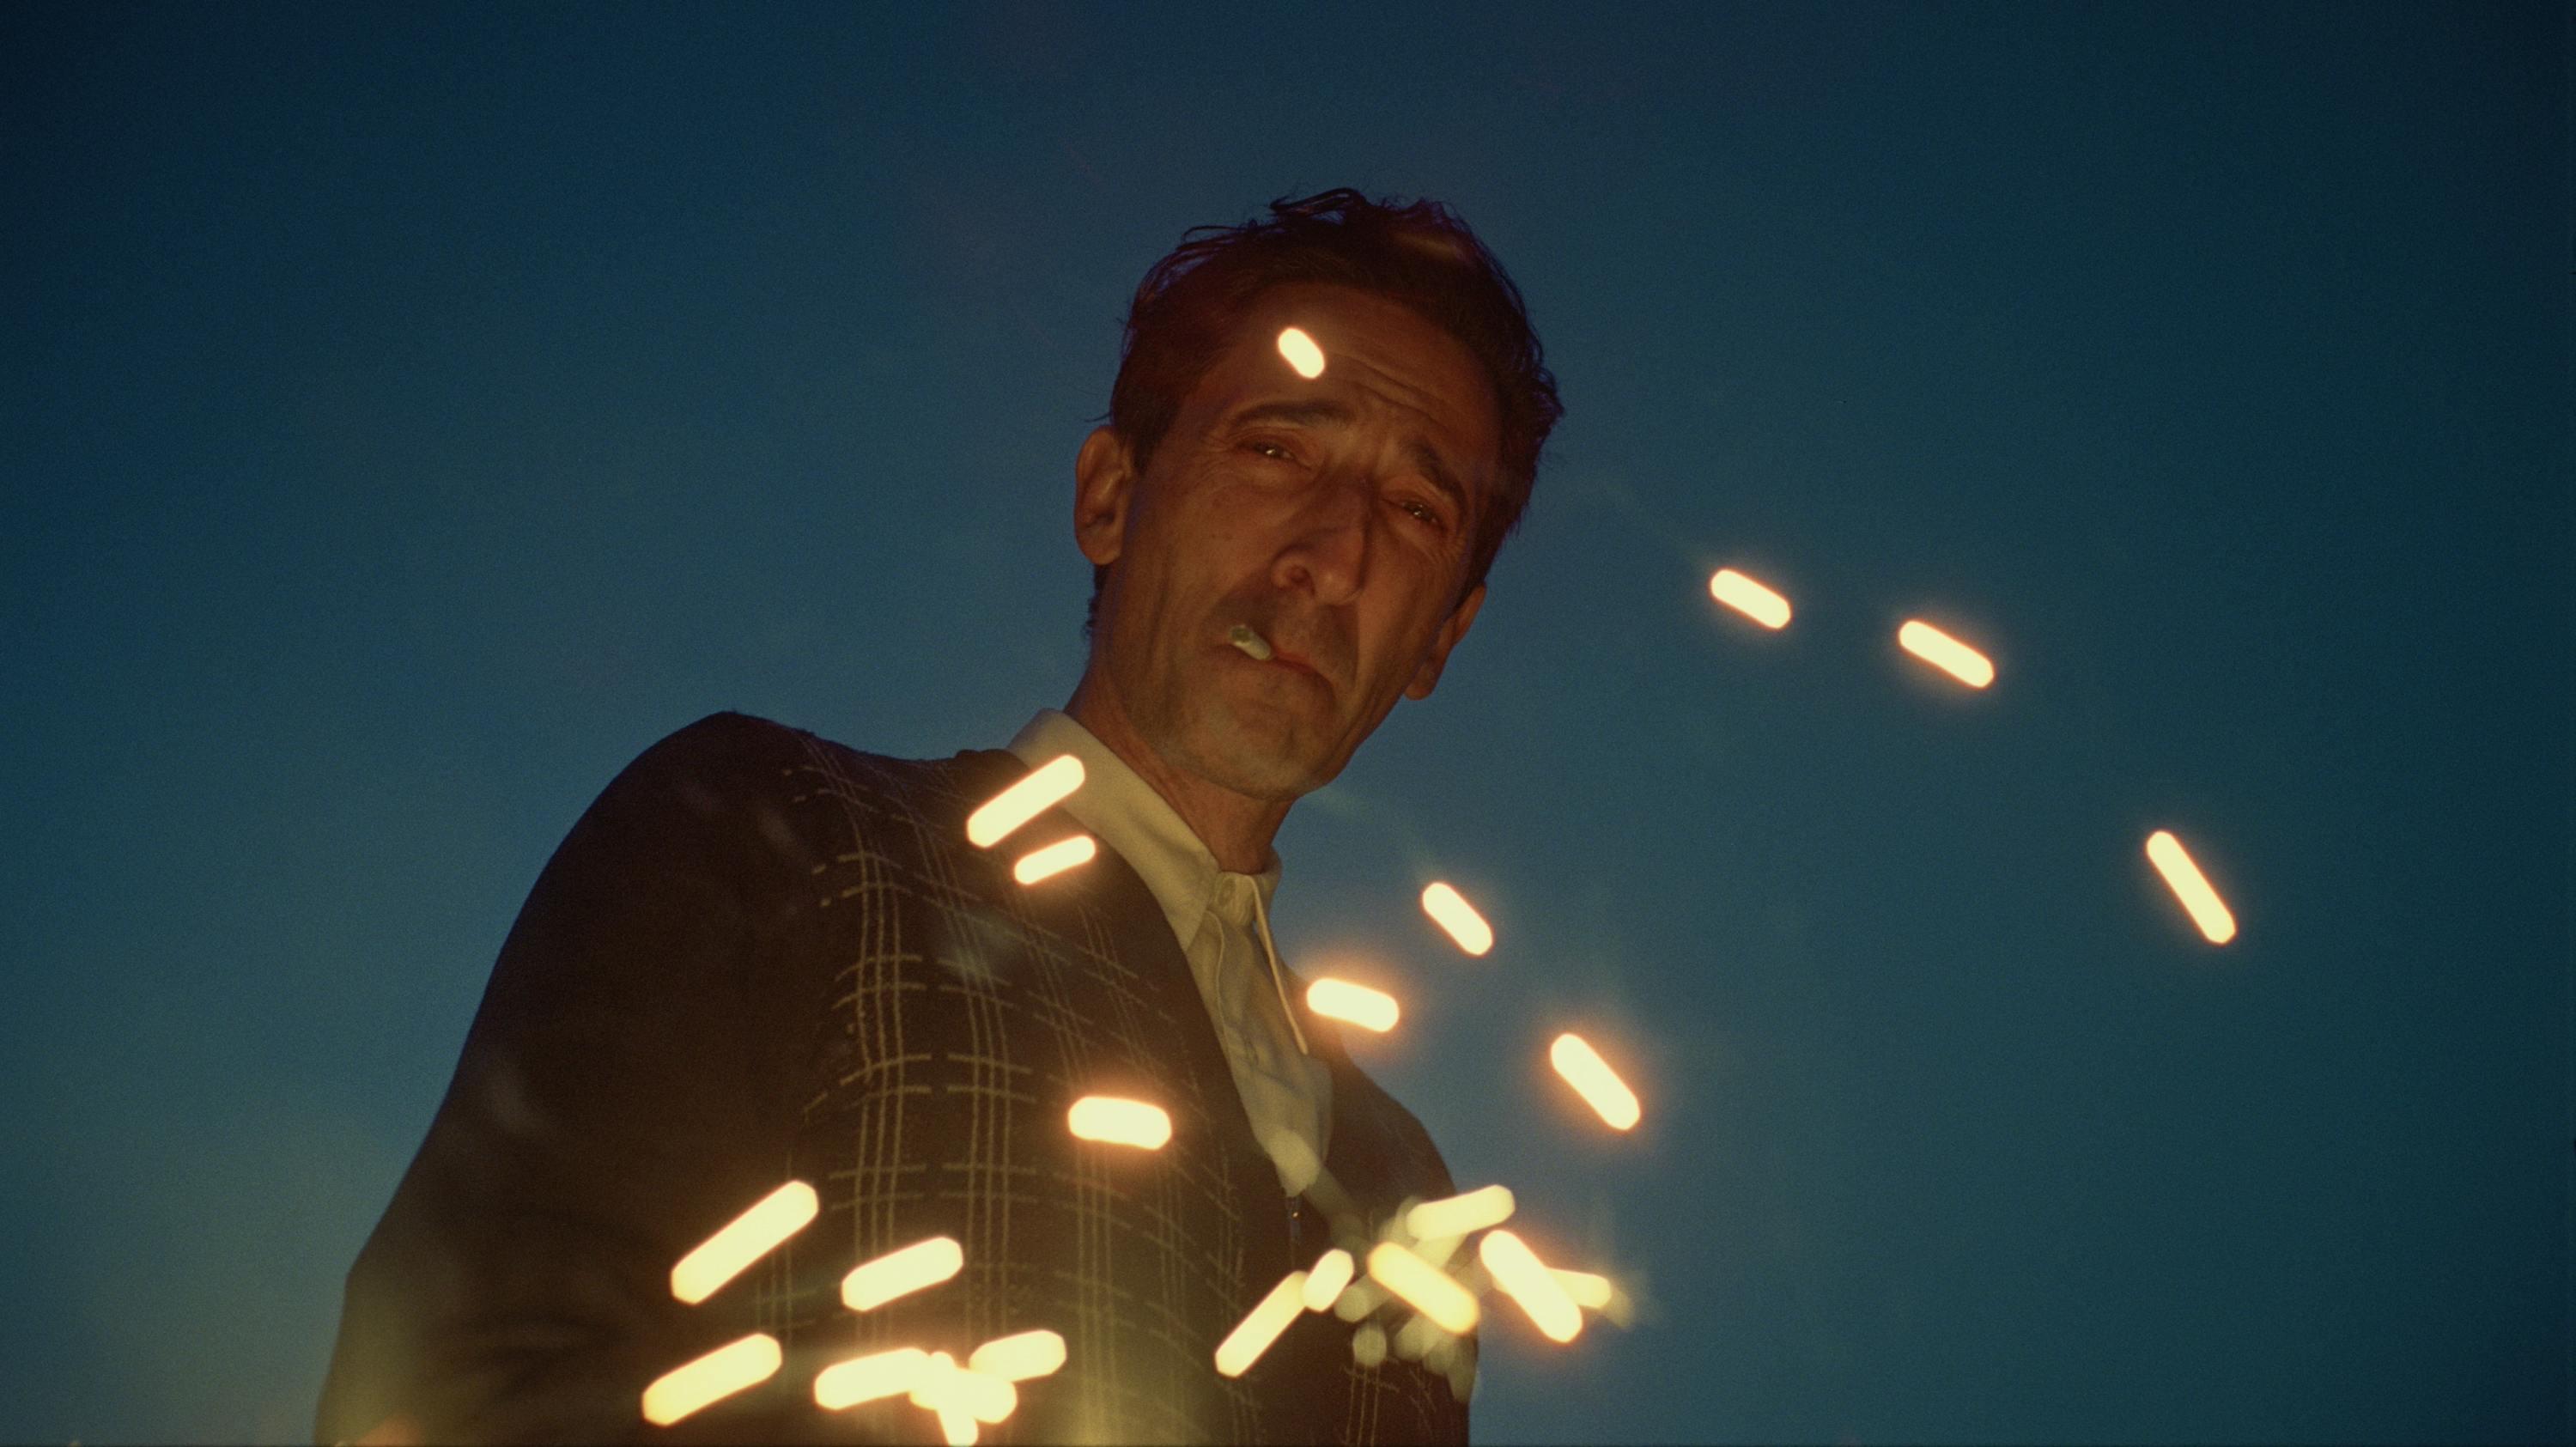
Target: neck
(1236, 828)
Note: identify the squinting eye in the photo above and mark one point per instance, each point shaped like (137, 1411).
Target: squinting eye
(1268, 448)
(1424, 511)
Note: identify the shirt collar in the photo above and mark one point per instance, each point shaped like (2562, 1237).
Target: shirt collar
(1130, 817)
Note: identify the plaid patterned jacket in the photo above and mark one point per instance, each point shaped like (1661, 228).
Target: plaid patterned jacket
(761, 956)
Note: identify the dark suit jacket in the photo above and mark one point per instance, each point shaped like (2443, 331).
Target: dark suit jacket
(761, 956)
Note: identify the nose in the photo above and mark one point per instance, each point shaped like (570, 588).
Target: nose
(1328, 553)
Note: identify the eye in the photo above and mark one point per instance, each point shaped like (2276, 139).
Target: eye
(1275, 451)
(1422, 510)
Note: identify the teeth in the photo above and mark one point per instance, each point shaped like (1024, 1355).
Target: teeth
(1242, 636)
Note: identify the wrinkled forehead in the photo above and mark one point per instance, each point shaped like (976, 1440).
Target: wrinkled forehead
(1379, 357)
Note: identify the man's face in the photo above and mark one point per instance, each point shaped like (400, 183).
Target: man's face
(1334, 516)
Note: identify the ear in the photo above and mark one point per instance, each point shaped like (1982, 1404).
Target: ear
(1427, 677)
(1104, 480)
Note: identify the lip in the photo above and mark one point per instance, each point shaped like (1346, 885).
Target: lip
(1283, 658)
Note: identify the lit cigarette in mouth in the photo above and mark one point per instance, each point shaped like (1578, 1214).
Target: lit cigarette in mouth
(1253, 644)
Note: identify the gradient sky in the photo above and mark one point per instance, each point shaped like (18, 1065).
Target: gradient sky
(411, 414)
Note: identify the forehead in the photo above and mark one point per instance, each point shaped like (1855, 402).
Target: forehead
(1380, 357)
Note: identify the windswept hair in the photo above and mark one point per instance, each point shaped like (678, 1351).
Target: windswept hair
(1194, 301)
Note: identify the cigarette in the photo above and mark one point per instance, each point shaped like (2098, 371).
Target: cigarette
(1242, 636)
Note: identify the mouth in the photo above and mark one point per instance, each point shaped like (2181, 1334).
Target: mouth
(1263, 654)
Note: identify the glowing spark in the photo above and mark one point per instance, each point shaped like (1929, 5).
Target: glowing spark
(1359, 1299)
(956, 1428)
(1302, 353)
(870, 1378)
(924, 1263)
(1594, 1080)
(1253, 644)
(1423, 1288)
(1945, 653)
(711, 1378)
(1358, 1004)
(1051, 784)
(1119, 1122)
(1368, 1345)
(1020, 1357)
(946, 1387)
(1459, 1215)
(1261, 1326)
(1525, 1279)
(1749, 598)
(1324, 1281)
(1454, 914)
(2184, 878)
(748, 1237)
(1586, 1288)
(1054, 859)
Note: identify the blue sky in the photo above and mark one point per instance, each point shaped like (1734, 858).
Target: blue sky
(412, 413)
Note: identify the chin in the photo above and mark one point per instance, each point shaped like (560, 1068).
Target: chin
(1261, 755)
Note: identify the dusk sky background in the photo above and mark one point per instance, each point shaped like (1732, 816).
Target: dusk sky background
(413, 413)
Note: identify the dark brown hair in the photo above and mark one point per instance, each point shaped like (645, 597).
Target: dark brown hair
(1193, 301)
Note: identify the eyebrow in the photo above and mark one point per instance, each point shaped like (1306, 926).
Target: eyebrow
(1316, 411)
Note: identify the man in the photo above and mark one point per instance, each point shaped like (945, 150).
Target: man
(763, 958)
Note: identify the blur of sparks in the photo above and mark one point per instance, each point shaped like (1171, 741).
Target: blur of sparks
(1120, 1122)
(1325, 1279)
(1054, 859)
(1371, 1010)
(1525, 1279)
(1460, 1215)
(1018, 1357)
(1261, 1326)
(1048, 785)
(1594, 1080)
(1451, 911)
(1413, 1266)
(2184, 878)
(1749, 598)
(1302, 353)
(924, 1263)
(1587, 1289)
(1423, 1287)
(711, 1378)
(870, 1378)
(946, 1387)
(780, 1214)
(1945, 653)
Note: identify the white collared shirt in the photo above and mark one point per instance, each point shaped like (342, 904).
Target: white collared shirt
(1285, 1091)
